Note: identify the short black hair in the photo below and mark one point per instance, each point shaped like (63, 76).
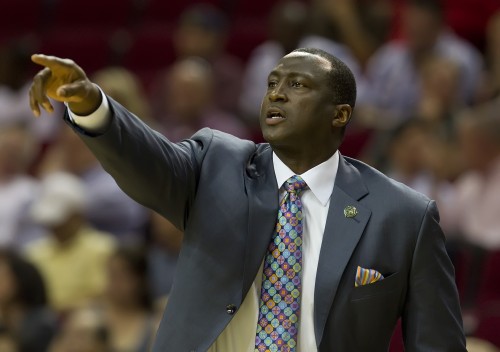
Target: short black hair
(136, 261)
(436, 7)
(341, 79)
(206, 16)
(31, 292)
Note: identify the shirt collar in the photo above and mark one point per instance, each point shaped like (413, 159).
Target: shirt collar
(320, 178)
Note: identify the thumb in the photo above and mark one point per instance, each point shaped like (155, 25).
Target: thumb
(74, 92)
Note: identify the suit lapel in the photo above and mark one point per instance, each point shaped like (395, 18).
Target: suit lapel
(262, 192)
(341, 236)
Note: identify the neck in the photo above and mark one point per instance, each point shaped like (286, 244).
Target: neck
(11, 314)
(302, 161)
(124, 308)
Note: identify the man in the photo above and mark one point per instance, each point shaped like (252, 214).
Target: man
(475, 210)
(73, 257)
(372, 249)
(393, 74)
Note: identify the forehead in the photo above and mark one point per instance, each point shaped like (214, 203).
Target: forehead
(303, 63)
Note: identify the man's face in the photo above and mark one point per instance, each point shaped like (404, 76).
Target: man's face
(192, 40)
(421, 28)
(299, 106)
(475, 147)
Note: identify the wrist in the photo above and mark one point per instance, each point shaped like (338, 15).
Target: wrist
(88, 105)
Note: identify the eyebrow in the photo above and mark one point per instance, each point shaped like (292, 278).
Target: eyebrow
(292, 74)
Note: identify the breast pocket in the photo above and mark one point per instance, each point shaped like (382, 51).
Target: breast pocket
(389, 285)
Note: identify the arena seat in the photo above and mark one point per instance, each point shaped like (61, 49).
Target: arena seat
(489, 287)
(151, 49)
(20, 17)
(251, 8)
(95, 13)
(245, 35)
(89, 48)
(397, 339)
(161, 11)
(489, 326)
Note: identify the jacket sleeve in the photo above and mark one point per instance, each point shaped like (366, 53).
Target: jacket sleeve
(152, 170)
(431, 319)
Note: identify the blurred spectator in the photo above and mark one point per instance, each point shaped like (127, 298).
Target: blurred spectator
(127, 306)
(362, 25)
(162, 255)
(189, 102)
(83, 331)
(17, 189)
(24, 315)
(478, 200)
(73, 258)
(406, 148)
(351, 30)
(477, 345)
(124, 87)
(107, 207)
(287, 22)
(202, 32)
(440, 87)
(7, 342)
(324, 35)
(14, 87)
(493, 56)
(395, 85)
(445, 165)
(423, 155)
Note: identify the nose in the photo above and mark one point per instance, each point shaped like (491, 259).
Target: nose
(278, 94)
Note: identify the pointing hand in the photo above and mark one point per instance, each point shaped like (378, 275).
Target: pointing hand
(64, 81)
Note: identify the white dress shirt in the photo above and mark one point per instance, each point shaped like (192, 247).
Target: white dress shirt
(239, 334)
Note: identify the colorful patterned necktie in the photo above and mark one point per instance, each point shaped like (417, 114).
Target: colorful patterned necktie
(279, 308)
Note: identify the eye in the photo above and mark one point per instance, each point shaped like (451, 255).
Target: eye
(272, 84)
(296, 84)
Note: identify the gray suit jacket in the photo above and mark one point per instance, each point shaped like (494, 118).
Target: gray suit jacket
(222, 192)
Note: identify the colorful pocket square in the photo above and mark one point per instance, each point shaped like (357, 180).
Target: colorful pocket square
(367, 276)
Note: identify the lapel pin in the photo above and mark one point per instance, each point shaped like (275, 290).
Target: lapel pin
(350, 211)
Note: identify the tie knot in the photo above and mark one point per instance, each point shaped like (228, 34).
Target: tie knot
(295, 184)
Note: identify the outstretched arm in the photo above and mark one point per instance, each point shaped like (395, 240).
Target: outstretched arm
(154, 171)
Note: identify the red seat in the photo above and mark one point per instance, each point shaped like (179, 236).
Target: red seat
(20, 17)
(151, 49)
(244, 36)
(489, 326)
(89, 48)
(96, 13)
(242, 9)
(167, 12)
(489, 287)
(397, 344)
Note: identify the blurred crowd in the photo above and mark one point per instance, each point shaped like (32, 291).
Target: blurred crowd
(85, 268)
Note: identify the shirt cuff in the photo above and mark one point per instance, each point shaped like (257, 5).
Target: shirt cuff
(95, 122)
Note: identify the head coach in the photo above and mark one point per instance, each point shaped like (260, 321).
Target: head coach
(288, 245)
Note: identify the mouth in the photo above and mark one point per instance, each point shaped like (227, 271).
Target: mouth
(274, 116)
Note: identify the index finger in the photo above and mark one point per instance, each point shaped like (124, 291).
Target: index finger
(50, 61)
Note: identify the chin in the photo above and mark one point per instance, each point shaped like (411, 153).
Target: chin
(270, 136)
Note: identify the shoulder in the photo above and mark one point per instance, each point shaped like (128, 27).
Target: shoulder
(215, 141)
(388, 195)
(40, 249)
(394, 47)
(97, 241)
(453, 45)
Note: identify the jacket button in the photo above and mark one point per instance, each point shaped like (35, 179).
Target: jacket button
(231, 309)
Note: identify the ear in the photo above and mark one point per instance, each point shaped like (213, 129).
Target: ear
(342, 115)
